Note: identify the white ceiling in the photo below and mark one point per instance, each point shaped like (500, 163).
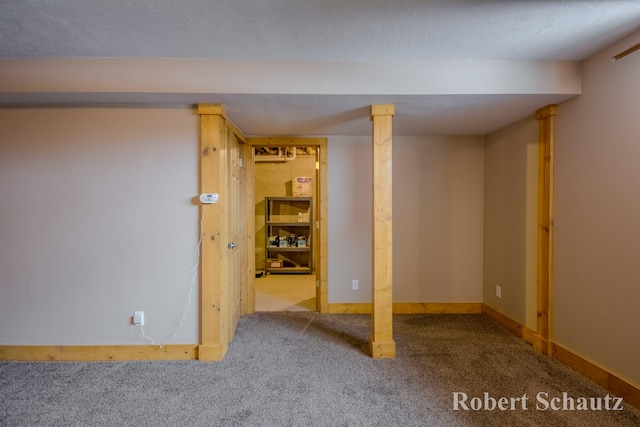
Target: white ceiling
(255, 40)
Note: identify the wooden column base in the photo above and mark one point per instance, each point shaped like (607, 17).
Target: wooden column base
(212, 353)
(382, 350)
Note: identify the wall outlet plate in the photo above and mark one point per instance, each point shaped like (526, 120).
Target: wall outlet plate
(354, 285)
(138, 318)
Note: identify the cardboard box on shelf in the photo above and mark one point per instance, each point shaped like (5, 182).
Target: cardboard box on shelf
(301, 186)
(274, 263)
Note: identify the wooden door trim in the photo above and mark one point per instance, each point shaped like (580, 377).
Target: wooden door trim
(546, 139)
(220, 110)
(212, 173)
(248, 272)
(236, 235)
(214, 233)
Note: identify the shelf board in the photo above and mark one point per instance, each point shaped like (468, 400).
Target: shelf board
(281, 219)
(289, 270)
(290, 199)
(289, 249)
(289, 223)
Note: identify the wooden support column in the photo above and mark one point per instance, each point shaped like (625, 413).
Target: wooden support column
(546, 132)
(213, 171)
(381, 342)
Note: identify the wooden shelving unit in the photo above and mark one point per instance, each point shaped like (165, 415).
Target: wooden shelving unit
(288, 219)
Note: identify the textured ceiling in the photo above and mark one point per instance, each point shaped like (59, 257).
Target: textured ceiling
(314, 29)
(318, 31)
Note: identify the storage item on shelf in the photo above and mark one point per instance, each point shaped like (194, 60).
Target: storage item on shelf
(301, 186)
(288, 231)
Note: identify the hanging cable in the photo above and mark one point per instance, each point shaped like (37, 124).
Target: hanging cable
(193, 279)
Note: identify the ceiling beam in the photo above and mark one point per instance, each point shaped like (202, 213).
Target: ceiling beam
(188, 76)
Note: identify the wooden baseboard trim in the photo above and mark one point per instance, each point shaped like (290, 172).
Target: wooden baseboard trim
(614, 384)
(529, 335)
(87, 353)
(437, 307)
(349, 308)
(502, 320)
(600, 376)
(537, 342)
(410, 308)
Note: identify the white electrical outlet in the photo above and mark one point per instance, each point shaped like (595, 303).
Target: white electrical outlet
(138, 318)
(354, 285)
(498, 291)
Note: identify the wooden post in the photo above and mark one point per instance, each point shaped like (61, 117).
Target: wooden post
(546, 132)
(213, 303)
(381, 342)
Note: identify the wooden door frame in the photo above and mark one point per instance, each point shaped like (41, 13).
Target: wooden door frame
(237, 236)
(546, 159)
(322, 268)
(212, 178)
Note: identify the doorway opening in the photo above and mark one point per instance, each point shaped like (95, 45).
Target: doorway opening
(290, 224)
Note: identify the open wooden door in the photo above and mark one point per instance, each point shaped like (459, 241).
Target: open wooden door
(235, 249)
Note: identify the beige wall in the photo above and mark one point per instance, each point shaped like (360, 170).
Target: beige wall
(437, 210)
(96, 221)
(350, 217)
(114, 225)
(596, 284)
(510, 220)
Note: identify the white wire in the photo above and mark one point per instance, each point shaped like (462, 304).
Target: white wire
(146, 337)
(194, 280)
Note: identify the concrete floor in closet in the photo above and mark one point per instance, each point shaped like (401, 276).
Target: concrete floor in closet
(286, 292)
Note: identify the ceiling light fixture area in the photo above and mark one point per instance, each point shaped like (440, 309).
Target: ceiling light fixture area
(625, 53)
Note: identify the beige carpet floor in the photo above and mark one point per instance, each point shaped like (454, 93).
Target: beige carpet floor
(291, 369)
